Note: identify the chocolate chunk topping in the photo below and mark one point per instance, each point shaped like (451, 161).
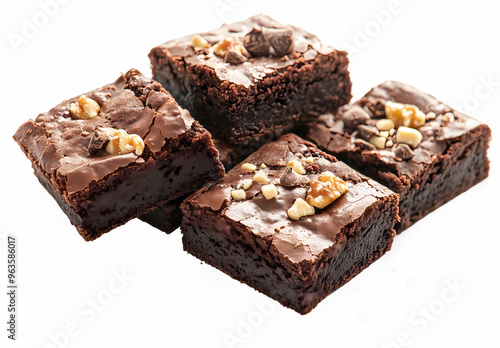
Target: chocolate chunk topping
(366, 132)
(255, 43)
(290, 178)
(280, 39)
(234, 58)
(404, 152)
(355, 116)
(99, 138)
(365, 145)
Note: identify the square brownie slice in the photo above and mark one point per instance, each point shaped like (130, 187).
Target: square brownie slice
(409, 141)
(252, 77)
(292, 222)
(117, 152)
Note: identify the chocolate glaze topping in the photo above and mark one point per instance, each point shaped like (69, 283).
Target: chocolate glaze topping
(305, 47)
(438, 133)
(58, 144)
(297, 240)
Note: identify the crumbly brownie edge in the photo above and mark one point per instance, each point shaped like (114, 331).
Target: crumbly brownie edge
(236, 112)
(449, 175)
(219, 241)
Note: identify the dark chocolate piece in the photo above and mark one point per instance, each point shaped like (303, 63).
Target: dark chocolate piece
(101, 191)
(281, 39)
(296, 262)
(290, 178)
(355, 116)
(236, 102)
(255, 43)
(450, 159)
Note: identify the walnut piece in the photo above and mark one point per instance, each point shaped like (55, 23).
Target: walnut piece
(84, 109)
(408, 136)
(247, 183)
(297, 167)
(407, 115)
(379, 142)
(248, 166)
(325, 189)
(198, 42)
(299, 209)
(269, 191)
(122, 143)
(261, 177)
(229, 50)
(385, 124)
(238, 195)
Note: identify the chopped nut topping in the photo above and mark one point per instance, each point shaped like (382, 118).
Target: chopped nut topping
(100, 137)
(409, 136)
(391, 132)
(297, 167)
(247, 183)
(299, 209)
(325, 189)
(431, 115)
(404, 114)
(263, 165)
(389, 143)
(384, 134)
(198, 42)
(85, 109)
(249, 166)
(448, 117)
(309, 160)
(379, 142)
(122, 143)
(229, 50)
(385, 124)
(238, 195)
(290, 178)
(269, 191)
(261, 177)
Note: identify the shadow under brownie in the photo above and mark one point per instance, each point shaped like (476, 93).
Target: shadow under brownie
(253, 238)
(117, 152)
(449, 158)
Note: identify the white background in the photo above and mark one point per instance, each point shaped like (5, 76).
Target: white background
(168, 297)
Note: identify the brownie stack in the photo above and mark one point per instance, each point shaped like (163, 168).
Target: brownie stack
(288, 219)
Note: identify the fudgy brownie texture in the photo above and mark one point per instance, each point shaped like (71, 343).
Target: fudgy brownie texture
(99, 190)
(168, 216)
(296, 262)
(450, 158)
(267, 91)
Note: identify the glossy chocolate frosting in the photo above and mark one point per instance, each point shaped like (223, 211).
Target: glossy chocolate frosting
(302, 240)
(57, 143)
(330, 133)
(306, 47)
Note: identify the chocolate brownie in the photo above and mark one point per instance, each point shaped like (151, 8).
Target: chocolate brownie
(118, 152)
(292, 222)
(168, 216)
(409, 141)
(252, 77)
